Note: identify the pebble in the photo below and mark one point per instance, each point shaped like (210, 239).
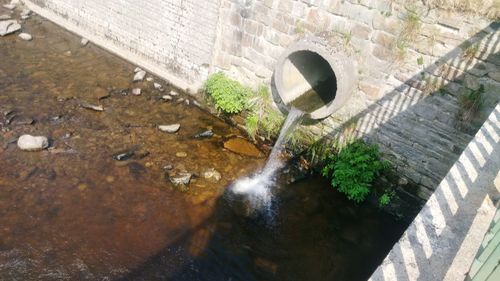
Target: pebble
(25, 36)
(169, 128)
(166, 98)
(205, 134)
(110, 179)
(139, 76)
(8, 27)
(84, 41)
(181, 154)
(136, 92)
(82, 187)
(157, 85)
(212, 175)
(181, 178)
(123, 156)
(137, 69)
(25, 13)
(32, 143)
(9, 6)
(174, 93)
(92, 107)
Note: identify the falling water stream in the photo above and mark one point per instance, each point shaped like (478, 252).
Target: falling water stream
(258, 188)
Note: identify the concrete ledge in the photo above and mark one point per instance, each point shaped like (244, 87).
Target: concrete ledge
(122, 52)
(443, 239)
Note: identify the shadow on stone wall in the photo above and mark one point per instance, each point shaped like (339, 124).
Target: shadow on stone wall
(427, 105)
(441, 238)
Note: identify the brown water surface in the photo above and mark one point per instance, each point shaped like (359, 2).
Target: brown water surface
(72, 212)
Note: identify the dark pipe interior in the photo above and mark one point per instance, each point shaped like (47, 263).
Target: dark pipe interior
(318, 73)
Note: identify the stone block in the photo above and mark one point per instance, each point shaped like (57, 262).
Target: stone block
(371, 90)
(383, 38)
(361, 31)
(388, 24)
(382, 53)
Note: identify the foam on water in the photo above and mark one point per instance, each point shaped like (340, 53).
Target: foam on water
(258, 188)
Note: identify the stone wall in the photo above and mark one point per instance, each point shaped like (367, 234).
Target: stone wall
(408, 94)
(177, 36)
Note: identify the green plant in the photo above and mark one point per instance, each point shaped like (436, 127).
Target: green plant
(252, 124)
(411, 26)
(471, 51)
(353, 170)
(263, 117)
(386, 198)
(470, 103)
(228, 95)
(420, 60)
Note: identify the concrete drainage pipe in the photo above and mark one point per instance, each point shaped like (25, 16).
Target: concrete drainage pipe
(314, 75)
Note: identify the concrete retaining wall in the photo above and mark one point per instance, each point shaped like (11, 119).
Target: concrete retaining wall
(407, 99)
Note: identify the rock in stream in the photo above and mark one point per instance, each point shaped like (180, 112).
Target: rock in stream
(32, 143)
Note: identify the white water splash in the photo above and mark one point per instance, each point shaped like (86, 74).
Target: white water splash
(258, 188)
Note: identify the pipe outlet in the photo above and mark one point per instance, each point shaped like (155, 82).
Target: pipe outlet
(314, 75)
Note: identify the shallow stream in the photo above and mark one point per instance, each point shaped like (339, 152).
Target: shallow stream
(73, 212)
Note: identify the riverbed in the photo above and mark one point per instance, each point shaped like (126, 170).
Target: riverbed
(74, 212)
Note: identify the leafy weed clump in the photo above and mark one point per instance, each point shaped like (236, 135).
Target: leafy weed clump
(354, 168)
(228, 95)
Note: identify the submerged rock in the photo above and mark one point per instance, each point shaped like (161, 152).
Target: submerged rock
(166, 98)
(180, 178)
(136, 92)
(92, 107)
(8, 27)
(242, 146)
(32, 143)
(205, 134)
(26, 13)
(170, 128)
(25, 36)
(123, 156)
(139, 76)
(181, 154)
(10, 6)
(212, 175)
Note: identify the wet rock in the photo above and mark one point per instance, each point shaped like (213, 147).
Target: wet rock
(242, 146)
(157, 85)
(25, 36)
(8, 27)
(10, 6)
(166, 98)
(123, 156)
(180, 178)
(137, 69)
(84, 42)
(211, 175)
(149, 79)
(173, 128)
(205, 134)
(139, 76)
(23, 121)
(5, 17)
(136, 170)
(92, 107)
(187, 102)
(181, 154)
(32, 143)
(136, 92)
(25, 14)
(174, 93)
